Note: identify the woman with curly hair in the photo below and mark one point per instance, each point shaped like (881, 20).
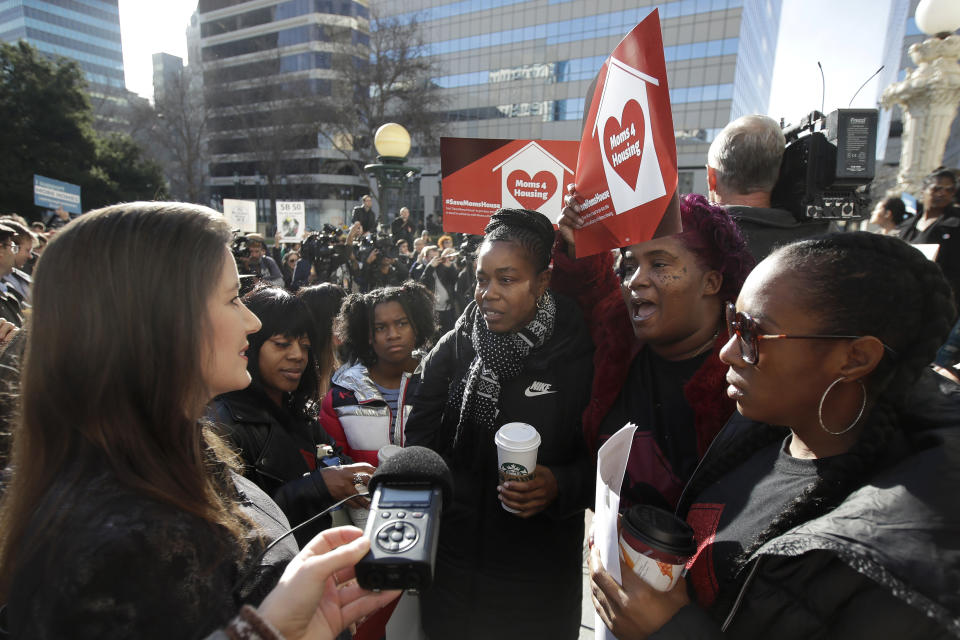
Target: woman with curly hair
(827, 505)
(509, 558)
(372, 394)
(657, 322)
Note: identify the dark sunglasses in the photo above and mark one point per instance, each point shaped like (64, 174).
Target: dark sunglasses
(748, 333)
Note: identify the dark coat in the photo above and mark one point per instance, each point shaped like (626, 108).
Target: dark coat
(766, 229)
(944, 232)
(279, 455)
(366, 217)
(402, 230)
(499, 575)
(884, 564)
(122, 565)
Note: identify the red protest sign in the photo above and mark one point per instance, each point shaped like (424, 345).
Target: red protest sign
(627, 164)
(483, 175)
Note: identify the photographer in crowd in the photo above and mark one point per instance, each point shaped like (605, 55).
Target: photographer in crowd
(426, 255)
(363, 213)
(439, 276)
(402, 228)
(261, 266)
(743, 165)
(379, 266)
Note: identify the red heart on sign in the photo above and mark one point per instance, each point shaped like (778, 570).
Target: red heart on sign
(533, 192)
(623, 142)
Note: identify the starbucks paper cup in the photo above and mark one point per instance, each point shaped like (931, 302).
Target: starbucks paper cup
(517, 445)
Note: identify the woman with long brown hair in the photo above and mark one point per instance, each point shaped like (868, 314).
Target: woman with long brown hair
(122, 517)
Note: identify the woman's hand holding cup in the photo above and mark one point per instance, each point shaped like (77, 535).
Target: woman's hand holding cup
(530, 497)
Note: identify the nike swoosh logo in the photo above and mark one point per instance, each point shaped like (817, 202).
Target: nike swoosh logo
(531, 394)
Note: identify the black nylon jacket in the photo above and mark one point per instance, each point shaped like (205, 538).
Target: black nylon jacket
(884, 564)
(499, 575)
(277, 449)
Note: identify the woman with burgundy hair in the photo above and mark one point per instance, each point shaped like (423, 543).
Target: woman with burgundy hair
(657, 323)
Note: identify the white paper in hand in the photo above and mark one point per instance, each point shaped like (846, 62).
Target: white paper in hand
(611, 467)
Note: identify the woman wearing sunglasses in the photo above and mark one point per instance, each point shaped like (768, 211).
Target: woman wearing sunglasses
(658, 329)
(841, 521)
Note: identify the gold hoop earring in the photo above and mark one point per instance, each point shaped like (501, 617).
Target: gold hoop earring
(823, 398)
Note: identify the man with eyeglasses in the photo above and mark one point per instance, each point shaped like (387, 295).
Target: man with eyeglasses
(938, 222)
(10, 303)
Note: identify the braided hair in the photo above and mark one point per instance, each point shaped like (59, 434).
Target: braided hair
(531, 230)
(839, 278)
(354, 325)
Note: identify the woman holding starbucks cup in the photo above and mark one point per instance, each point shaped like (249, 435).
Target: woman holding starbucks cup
(515, 369)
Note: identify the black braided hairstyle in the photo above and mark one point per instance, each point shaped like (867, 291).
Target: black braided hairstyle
(856, 284)
(354, 324)
(531, 230)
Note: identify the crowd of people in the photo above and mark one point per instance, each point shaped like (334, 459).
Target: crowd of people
(180, 397)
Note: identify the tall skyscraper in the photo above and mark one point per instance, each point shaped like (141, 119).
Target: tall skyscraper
(521, 68)
(262, 61)
(86, 31)
(167, 70)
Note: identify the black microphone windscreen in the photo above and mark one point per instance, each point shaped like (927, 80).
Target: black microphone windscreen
(415, 465)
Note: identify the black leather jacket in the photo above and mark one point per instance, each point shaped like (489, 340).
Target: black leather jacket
(279, 455)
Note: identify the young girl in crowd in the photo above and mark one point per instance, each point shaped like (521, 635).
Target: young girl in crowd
(657, 323)
(270, 421)
(841, 521)
(370, 399)
(517, 354)
(122, 517)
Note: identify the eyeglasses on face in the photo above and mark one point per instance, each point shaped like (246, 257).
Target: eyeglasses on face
(13, 246)
(749, 336)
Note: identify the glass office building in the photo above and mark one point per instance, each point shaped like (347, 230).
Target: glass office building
(521, 68)
(87, 31)
(258, 58)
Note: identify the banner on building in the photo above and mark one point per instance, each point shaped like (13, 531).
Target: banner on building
(241, 214)
(627, 165)
(53, 194)
(291, 220)
(481, 176)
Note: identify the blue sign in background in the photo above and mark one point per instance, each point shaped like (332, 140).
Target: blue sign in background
(51, 194)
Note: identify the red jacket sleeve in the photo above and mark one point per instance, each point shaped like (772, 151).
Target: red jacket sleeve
(331, 423)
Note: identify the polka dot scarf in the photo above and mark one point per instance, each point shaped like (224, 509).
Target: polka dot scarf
(500, 357)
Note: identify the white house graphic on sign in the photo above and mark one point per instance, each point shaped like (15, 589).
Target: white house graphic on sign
(532, 179)
(625, 134)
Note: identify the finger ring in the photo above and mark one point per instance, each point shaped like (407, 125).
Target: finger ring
(358, 483)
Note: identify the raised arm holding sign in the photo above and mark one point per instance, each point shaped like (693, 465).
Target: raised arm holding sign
(627, 165)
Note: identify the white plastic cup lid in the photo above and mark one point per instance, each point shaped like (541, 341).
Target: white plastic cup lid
(387, 451)
(517, 436)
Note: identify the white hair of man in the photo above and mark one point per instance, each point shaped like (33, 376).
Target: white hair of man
(746, 155)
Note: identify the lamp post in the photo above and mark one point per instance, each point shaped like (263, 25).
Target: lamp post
(928, 95)
(392, 143)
